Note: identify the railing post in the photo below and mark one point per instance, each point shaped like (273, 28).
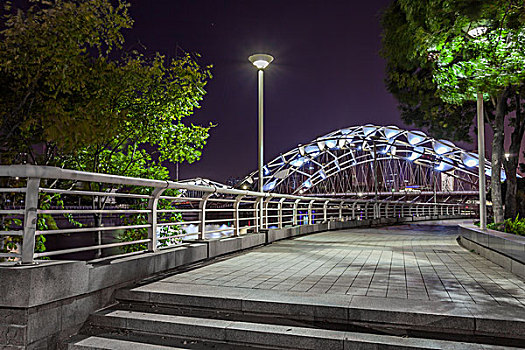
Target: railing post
(325, 211)
(236, 215)
(257, 206)
(152, 218)
(30, 219)
(387, 209)
(266, 218)
(295, 205)
(341, 211)
(379, 210)
(353, 210)
(366, 210)
(280, 214)
(202, 215)
(310, 215)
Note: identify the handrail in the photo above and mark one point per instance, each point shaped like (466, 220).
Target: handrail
(237, 209)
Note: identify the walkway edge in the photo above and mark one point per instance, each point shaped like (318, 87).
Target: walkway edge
(435, 316)
(505, 249)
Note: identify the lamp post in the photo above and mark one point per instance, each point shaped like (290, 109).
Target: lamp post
(481, 163)
(475, 32)
(261, 61)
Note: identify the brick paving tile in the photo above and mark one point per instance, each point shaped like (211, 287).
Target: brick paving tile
(419, 262)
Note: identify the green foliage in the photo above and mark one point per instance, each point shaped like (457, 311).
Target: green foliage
(167, 234)
(44, 222)
(440, 36)
(409, 77)
(515, 226)
(67, 87)
(65, 84)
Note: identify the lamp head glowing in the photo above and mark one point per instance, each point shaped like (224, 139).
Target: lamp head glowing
(477, 31)
(260, 60)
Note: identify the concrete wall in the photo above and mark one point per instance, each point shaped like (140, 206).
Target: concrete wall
(504, 249)
(43, 303)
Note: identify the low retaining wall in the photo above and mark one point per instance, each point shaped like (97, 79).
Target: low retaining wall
(43, 303)
(504, 249)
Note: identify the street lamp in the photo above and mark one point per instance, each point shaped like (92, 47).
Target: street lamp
(481, 163)
(261, 61)
(475, 33)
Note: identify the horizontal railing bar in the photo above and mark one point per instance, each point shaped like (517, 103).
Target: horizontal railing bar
(175, 236)
(10, 255)
(178, 210)
(93, 211)
(13, 190)
(12, 211)
(94, 193)
(219, 220)
(12, 233)
(83, 249)
(90, 229)
(221, 200)
(181, 199)
(182, 223)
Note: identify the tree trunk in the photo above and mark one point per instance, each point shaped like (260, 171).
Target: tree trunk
(511, 164)
(497, 155)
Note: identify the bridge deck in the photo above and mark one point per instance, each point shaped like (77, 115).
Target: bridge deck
(421, 262)
(410, 283)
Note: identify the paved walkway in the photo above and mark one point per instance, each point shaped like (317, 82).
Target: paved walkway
(420, 262)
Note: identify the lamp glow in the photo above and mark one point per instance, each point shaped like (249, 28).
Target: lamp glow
(261, 61)
(475, 32)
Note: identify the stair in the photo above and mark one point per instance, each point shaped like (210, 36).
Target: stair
(153, 317)
(121, 329)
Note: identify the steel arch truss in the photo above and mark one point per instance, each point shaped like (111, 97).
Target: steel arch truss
(344, 162)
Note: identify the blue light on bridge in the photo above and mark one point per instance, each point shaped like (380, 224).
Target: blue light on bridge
(298, 162)
(417, 153)
(442, 146)
(415, 137)
(332, 144)
(444, 166)
(270, 186)
(470, 160)
(391, 132)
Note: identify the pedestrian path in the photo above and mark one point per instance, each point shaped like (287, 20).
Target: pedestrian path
(416, 262)
(406, 286)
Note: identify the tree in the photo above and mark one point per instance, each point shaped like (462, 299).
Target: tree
(68, 88)
(466, 46)
(70, 97)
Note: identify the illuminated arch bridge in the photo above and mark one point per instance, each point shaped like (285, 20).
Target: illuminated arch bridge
(345, 163)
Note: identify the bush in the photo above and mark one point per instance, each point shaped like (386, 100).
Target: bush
(515, 226)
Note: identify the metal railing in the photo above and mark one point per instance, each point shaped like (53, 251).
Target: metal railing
(158, 213)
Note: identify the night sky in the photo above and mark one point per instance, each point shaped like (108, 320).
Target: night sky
(327, 72)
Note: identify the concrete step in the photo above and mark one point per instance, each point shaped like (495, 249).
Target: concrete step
(238, 334)
(447, 320)
(101, 342)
